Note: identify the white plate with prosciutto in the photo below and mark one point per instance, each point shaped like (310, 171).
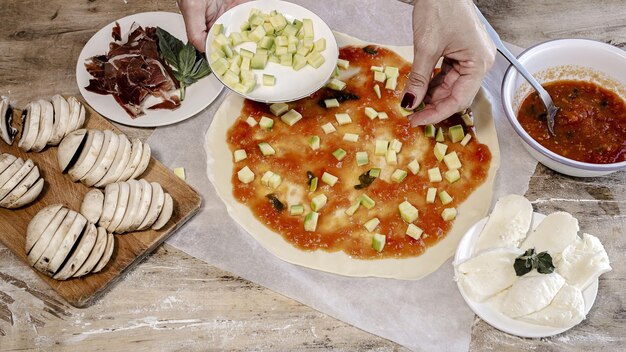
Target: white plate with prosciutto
(140, 71)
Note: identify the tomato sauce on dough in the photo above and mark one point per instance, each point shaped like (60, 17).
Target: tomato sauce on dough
(336, 231)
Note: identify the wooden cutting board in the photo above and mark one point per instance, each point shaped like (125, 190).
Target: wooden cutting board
(130, 248)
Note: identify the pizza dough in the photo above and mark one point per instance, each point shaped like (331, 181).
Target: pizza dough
(220, 170)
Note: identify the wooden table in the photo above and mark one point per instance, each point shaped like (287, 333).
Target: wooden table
(172, 301)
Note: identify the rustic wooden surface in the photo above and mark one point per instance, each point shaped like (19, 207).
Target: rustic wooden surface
(174, 302)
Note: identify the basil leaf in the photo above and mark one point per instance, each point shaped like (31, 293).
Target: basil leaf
(277, 204)
(169, 46)
(522, 266)
(203, 70)
(370, 50)
(186, 59)
(544, 263)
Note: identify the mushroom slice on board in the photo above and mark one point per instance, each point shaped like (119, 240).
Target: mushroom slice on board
(61, 119)
(70, 149)
(6, 114)
(68, 243)
(10, 171)
(106, 256)
(79, 253)
(44, 240)
(166, 213)
(55, 242)
(88, 155)
(46, 125)
(30, 126)
(96, 253)
(111, 193)
(122, 156)
(16, 178)
(22, 187)
(6, 160)
(135, 158)
(91, 208)
(120, 207)
(38, 224)
(156, 204)
(30, 195)
(134, 199)
(144, 205)
(75, 114)
(104, 161)
(146, 153)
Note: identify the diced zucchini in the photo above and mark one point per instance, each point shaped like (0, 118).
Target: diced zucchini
(392, 72)
(408, 212)
(216, 55)
(431, 193)
(381, 147)
(235, 67)
(269, 29)
(398, 175)
(265, 179)
(445, 198)
(307, 27)
(395, 145)
(414, 167)
(414, 232)
(269, 80)
(240, 155)
(314, 142)
(245, 26)
(266, 123)
(313, 185)
(371, 224)
(351, 137)
(429, 131)
(320, 45)
(353, 208)
(299, 62)
(220, 66)
(281, 41)
(452, 161)
(251, 121)
(377, 91)
(258, 61)
(382, 115)
(292, 40)
(273, 58)
(247, 75)
(404, 112)
(180, 172)
(378, 242)
(310, 221)
(318, 202)
(217, 29)
(343, 119)
(329, 179)
(339, 154)
(434, 175)
(448, 214)
(279, 108)
(440, 151)
(278, 21)
(379, 77)
(266, 149)
(466, 139)
(331, 103)
(375, 172)
(361, 158)
(293, 49)
(456, 133)
(377, 68)
(221, 39)
(282, 50)
(291, 117)
(366, 201)
(452, 175)
(391, 157)
(286, 59)
(341, 63)
(230, 78)
(392, 83)
(255, 20)
(467, 119)
(328, 128)
(257, 33)
(296, 209)
(245, 175)
(275, 181)
(371, 113)
(440, 137)
(304, 51)
(315, 59)
(246, 53)
(336, 84)
(266, 42)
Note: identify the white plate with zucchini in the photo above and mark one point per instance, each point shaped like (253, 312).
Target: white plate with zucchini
(272, 51)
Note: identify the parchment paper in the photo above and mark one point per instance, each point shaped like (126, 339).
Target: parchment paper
(423, 315)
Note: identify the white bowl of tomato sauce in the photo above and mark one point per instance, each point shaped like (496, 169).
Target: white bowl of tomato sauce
(587, 81)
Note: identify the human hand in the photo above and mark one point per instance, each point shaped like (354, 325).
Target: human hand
(199, 16)
(448, 28)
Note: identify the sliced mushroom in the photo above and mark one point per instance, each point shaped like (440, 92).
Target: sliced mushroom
(30, 126)
(144, 205)
(143, 163)
(22, 187)
(111, 193)
(166, 213)
(79, 253)
(88, 155)
(6, 160)
(70, 149)
(6, 125)
(43, 241)
(156, 205)
(61, 119)
(16, 179)
(134, 198)
(92, 205)
(55, 241)
(46, 125)
(135, 158)
(29, 196)
(75, 114)
(122, 156)
(10, 171)
(106, 256)
(105, 159)
(120, 207)
(96, 253)
(68, 243)
(38, 224)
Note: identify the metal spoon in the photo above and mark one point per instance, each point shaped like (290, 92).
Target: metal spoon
(543, 94)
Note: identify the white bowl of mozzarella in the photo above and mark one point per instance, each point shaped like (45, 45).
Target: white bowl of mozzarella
(534, 304)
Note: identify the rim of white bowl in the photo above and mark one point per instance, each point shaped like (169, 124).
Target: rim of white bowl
(511, 73)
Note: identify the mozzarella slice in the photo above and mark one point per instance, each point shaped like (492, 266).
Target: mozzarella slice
(146, 153)
(38, 224)
(30, 195)
(134, 199)
(46, 236)
(92, 205)
(46, 125)
(30, 126)
(22, 187)
(133, 162)
(61, 119)
(566, 309)
(144, 205)
(106, 256)
(120, 161)
(17, 177)
(156, 205)
(6, 160)
(70, 148)
(557, 231)
(79, 254)
(120, 207)
(96, 253)
(583, 261)
(104, 160)
(88, 155)
(111, 194)
(531, 293)
(55, 242)
(488, 273)
(10, 171)
(166, 213)
(507, 225)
